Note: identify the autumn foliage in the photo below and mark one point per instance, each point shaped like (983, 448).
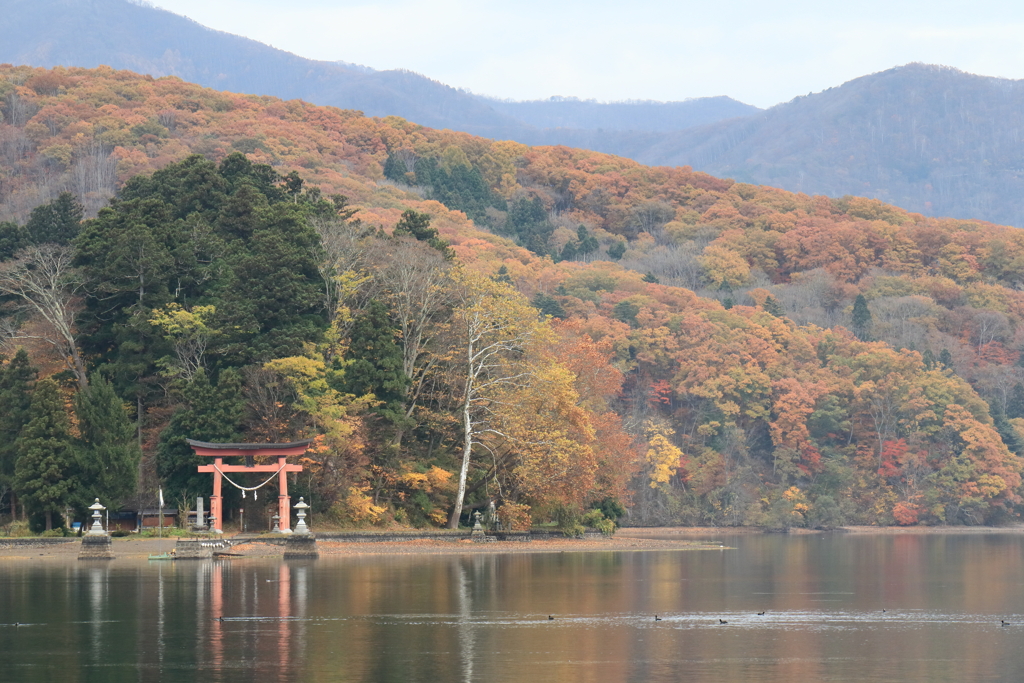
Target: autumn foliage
(703, 360)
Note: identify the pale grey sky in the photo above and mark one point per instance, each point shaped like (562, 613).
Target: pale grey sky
(758, 52)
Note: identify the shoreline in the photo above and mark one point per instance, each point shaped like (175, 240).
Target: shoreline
(632, 539)
(794, 531)
(141, 549)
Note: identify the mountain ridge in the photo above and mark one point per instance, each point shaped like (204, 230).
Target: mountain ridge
(931, 139)
(150, 40)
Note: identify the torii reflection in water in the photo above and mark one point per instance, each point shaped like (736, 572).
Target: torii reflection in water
(240, 620)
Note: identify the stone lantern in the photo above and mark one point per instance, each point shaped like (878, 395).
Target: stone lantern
(301, 545)
(96, 544)
(96, 529)
(301, 507)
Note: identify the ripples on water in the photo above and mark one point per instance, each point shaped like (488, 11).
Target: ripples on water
(836, 608)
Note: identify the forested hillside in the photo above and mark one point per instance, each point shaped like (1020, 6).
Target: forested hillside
(926, 138)
(454, 318)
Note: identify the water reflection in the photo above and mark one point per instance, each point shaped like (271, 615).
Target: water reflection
(908, 608)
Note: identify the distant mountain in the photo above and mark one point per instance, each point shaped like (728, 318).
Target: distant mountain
(134, 36)
(126, 35)
(927, 138)
(647, 116)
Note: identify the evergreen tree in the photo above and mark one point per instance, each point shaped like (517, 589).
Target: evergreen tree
(503, 276)
(108, 450)
(395, 169)
(57, 222)
(270, 299)
(652, 278)
(45, 475)
(946, 359)
(1015, 404)
(861, 318)
(126, 255)
(548, 305)
(528, 223)
(773, 307)
(375, 362)
(16, 380)
(1005, 429)
(453, 182)
(417, 225)
(293, 185)
(626, 311)
(617, 250)
(588, 244)
(13, 238)
(569, 252)
(209, 413)
(928, 358)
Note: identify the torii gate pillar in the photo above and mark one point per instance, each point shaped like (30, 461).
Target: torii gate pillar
(219, 451)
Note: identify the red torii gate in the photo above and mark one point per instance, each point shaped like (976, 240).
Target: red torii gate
(281, 451)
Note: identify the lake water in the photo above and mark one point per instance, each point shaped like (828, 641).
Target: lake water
(405, 618)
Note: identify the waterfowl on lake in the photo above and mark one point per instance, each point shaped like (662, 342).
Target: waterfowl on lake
(760, 614)
(722, 621)
(657, 618)
(550, 618)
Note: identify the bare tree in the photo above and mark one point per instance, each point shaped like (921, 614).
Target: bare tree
(93, 176)
(345, 254)
(270, 397)
(46, 285)
(415, 280)
(492, 326)
(18, 109)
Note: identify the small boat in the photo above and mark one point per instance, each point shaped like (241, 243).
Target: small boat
(162, 556)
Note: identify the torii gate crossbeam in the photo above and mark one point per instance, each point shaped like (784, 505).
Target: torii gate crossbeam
(219, 451)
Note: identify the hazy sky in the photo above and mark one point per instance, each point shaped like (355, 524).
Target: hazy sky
(758, 52)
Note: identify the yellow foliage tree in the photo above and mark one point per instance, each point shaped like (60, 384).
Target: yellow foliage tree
(662, 455)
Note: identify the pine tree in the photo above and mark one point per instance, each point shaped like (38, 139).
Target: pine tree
(1005, 429)
(108, 450)
(548, 305)
(46, 475)
(57, 222)
(503, 276)
(946, 359)
(861, 318)
(375, 362)
(13, 238)
(395, 169)
(617, 250)
(415, 224)
(528, 222)
(588, 244)
(626, 311)
(209, 413)
(1015, 406)
(569, 252)
(773, 307)
(16, 379)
